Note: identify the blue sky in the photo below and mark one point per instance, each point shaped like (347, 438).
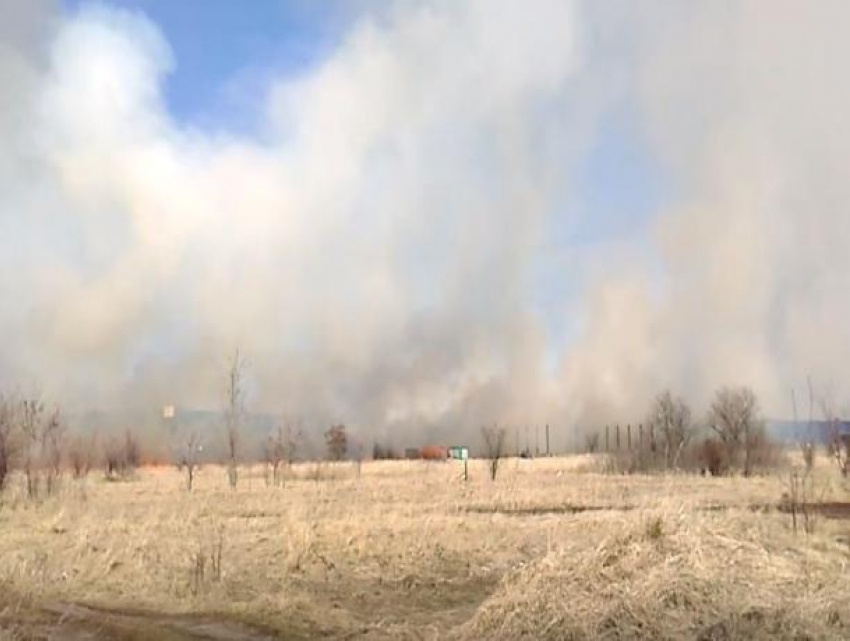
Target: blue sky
(223, 48)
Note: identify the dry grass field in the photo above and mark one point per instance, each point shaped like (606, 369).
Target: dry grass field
(552, 549)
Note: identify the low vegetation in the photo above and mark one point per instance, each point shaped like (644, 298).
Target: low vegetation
(542, 548)
(407, 549)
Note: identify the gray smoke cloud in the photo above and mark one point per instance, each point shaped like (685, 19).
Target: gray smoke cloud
(373, 251)
(749, 266)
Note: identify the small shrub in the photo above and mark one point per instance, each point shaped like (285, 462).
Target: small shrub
(799, 500)
(122, 456)
(711, 457)
(336, 441)
(655, 528)
(383, 453)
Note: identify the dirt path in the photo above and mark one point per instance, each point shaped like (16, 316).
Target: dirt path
(76, 622)
(830, 510)
(409, 609)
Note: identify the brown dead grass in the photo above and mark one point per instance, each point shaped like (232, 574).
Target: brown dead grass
(407, 550)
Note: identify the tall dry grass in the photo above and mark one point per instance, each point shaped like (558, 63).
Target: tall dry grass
(407, 549)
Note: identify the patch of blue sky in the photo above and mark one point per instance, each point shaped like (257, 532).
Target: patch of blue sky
(226, 52)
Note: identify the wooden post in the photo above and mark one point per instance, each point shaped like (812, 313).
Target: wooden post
(640, 436)
(536, 440)
(617, 436)
(548, 453)
(629, 436)
(607, 440)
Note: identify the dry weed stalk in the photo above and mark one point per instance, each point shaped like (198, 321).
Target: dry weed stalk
(206, 562)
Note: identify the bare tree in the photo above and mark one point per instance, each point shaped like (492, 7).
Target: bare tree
(840, 449)
(671, 422)
(52, 438)
(280, 449)
(8, 423)
(735, 417)
(839, 443)
(41, 445)
(336, 442)
(31, 417)
(494, 447)
(234, 413)
(189, 455)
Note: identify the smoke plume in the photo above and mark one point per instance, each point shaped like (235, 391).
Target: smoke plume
(376, 250)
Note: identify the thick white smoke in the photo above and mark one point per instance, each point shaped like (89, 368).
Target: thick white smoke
(373, 251)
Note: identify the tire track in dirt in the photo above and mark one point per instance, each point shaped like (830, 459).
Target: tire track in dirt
(78, 622)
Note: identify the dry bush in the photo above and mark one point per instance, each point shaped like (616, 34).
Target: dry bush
(41, 444)
(81, 455)
(278, 453)
(838, 447)
(336, 442)
(31, 417)
(494, 447)
(670, 421)
(591, 443)
(710, 456)
(122, 456)
(669, 577)
(383, 452)
(766, 456)
(670, 431)
(8, 436)
(799, 500)
(52, 444)
(736, 418)
(188, 457)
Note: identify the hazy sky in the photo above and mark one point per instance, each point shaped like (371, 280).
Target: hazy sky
(424, 214)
